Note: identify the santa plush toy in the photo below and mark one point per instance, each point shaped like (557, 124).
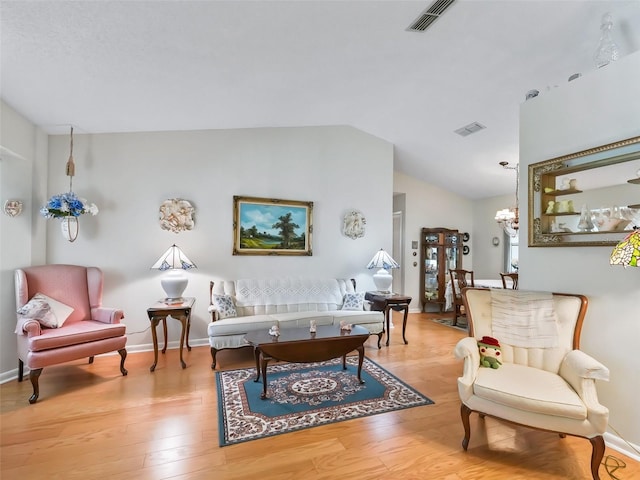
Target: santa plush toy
(490, 352)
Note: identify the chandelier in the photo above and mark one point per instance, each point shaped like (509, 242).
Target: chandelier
(509, 218)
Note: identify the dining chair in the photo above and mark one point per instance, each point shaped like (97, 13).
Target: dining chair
(514, 280)
(460, 279)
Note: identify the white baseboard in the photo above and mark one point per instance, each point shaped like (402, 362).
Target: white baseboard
(620, 445)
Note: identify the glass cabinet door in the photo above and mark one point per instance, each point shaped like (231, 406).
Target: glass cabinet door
(451, 253)
(441, 250)
(431, 272)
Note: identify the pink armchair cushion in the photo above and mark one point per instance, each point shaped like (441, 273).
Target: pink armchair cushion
(49, 312)
(74, 334)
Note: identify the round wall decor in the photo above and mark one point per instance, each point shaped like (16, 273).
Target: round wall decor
(176, 215)
(495, 241)
(353, 224)
(465, 237)
(465, 249)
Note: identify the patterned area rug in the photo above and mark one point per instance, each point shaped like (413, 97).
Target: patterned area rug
(461, 324)
(305, 395)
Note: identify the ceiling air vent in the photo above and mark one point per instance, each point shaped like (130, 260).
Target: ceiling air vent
(469, 129)
(430, 15)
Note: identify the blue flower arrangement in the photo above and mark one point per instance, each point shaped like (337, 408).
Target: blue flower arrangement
(67, 204)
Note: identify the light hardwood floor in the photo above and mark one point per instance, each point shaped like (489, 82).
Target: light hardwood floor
(92, 423)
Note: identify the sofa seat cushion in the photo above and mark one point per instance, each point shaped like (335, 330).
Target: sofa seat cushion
(302, 319)
(75, 333)
(236, 325)
(529, 389)
(361, 317)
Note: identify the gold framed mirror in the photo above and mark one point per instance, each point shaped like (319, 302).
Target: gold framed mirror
(587, 198)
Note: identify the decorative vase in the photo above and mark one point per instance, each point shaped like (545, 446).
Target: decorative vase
(607, 50)
(585, 224)
(70, 227)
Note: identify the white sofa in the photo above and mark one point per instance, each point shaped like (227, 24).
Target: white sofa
(286, 302)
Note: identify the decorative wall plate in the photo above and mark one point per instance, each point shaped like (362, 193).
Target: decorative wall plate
(353, 224)
(176, 215)
(466, 237)
(13, 208)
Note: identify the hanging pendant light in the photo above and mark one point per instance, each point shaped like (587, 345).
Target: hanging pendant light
(509, 218)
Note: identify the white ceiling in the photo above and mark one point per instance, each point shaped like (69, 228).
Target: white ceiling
(125, 66)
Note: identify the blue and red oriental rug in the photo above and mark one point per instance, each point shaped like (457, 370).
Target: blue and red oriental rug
(305, 395)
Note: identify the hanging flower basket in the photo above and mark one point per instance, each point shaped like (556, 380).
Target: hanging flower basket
(67, 204)
(68, 207)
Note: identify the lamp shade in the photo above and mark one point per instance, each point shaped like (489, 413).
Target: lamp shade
(627, 252)
(382, 260)
(174, 281)
(382, 278)
(173, 258)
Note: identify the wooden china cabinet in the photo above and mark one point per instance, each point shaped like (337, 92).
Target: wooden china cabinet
(440, 251)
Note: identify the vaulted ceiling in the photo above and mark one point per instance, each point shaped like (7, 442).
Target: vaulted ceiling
(119, 66)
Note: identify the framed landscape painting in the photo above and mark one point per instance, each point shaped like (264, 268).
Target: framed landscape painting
(268, 226)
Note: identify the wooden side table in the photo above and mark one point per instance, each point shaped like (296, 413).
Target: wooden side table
(385, 302)
(181, 312)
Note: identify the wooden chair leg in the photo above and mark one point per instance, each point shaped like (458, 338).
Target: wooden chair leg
(380, 340)
(454, 322)
(465, 412)
(20, 370)
(596, 455)
(123, 356)
(213, 357)
(33, 376)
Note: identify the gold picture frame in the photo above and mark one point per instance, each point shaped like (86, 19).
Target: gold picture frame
(573, 198)
(270, 226)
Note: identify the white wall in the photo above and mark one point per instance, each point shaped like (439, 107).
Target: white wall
(428, 206)
(488, 260)
(129, 175)
(20, 152)
(601, 107)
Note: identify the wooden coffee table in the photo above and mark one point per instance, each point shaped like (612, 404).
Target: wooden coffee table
(298, 345)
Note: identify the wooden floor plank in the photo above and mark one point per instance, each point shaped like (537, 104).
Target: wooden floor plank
(92, 423)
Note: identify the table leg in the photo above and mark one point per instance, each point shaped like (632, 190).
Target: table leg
(404, 323)
(256, 354)
(264, 362)
(164, 330)
(154, 334)
(360, 360)
(188, 329)
(387, 312)
(344, 361)
(183, 321)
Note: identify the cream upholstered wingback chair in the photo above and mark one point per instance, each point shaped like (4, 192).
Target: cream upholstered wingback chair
(89, 330)
(549, 385)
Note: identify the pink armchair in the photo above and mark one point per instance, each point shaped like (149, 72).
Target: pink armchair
(90, 330)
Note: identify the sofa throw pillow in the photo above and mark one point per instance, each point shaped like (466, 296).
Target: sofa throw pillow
(353, 301)
(48, 311)
(224, 305)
